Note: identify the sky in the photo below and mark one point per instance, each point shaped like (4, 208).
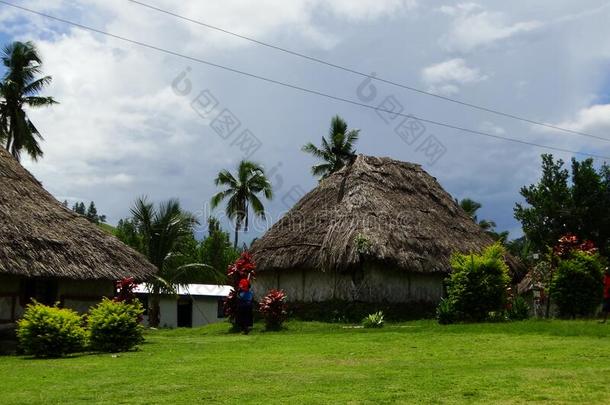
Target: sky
(136, 122)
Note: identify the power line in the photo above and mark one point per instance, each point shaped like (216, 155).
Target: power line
(366, 75)
(295, 87)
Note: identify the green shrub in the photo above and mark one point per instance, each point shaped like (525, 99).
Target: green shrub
(477, 285)
(50, 331)
(519, 309)
(115, 326)
(577, 284)
(375, 320)
(445, 313)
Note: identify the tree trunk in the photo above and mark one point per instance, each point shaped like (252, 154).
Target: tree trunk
(236, 231)
(154, 310)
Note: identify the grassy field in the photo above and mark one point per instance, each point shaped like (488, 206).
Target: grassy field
(552, 361)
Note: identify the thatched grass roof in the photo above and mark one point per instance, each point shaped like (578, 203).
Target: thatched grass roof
(400, 214)
(41, 238)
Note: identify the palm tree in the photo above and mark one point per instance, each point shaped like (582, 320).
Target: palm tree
(471, 207)
(159, 231)
(335, 152)
(18, 90)
(241, 191)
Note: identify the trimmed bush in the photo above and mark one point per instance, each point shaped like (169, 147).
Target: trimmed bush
(50, 331)
(519, 309)
(374, 320)
(114, 326)
(477, 285)
(445, 313)
(577, 284)
(273, 309)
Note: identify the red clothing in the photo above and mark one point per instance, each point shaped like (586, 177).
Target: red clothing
(606, 286)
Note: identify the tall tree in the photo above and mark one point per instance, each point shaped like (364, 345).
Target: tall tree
(160, 232)
(336, 151)
(546, 217)
(241, 191)
(19, 90)
(216, 249)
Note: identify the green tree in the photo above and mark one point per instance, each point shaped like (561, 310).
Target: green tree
(19, 89)
(160, 231)
(336, 151)
(216, 249)
(241, 191)
(555, 206)
(547, 216)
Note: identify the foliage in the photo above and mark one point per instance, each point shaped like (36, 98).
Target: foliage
(90, 213)
(125, 289)
(374, 320)
(114, 326)
(555, 206)
(164, 234)
(363, 245)
(471, 207)
(19, 91)
(216, 249)
(518, 309)
(477, 285)
(336, 151)
(445, 312)
(242, 268)
(273, 309)
(50, 331)
(241, 192)
(577, 285)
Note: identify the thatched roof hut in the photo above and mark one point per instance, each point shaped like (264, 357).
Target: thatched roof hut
(402, 213)
(377, 210)
(41, 238)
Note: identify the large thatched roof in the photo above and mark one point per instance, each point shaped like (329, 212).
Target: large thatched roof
(396, 208)
(41, 238)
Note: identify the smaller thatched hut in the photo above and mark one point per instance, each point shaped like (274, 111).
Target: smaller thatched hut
(379, 230)
(49, 253)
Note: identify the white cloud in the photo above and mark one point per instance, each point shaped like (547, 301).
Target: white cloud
(594, 119)
(473, 27)
(444, 77)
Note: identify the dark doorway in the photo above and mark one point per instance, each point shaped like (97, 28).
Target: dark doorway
(185, 313)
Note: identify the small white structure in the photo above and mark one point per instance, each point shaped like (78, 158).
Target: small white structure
(193, 305)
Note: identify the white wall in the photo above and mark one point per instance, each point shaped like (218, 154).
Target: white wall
(205, 311)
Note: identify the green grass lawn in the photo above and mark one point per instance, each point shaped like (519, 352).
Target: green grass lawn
(539, 361)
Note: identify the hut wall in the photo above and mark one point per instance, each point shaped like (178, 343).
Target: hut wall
(375, 284)
(80, 295)
(9, 297)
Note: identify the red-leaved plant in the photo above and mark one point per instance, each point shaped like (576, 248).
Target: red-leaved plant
(274, 309)
(244, 267)
(569, 243)
(124, 290)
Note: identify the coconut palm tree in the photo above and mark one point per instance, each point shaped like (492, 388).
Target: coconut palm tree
(19, 90)
(241, 191)
(159, 231)
(336, 151)
(471, 207)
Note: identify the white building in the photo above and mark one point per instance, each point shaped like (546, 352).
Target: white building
(193, 305)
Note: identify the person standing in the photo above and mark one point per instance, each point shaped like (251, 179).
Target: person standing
(245, 306)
